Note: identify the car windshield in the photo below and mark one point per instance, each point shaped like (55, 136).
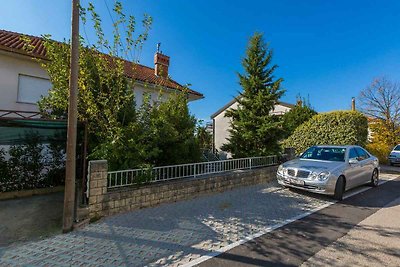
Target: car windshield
(325, 153)
(397, 148)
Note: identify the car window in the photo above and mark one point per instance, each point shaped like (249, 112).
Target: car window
(362, 154)
(397, 148)
(324, 153)
(353, 154)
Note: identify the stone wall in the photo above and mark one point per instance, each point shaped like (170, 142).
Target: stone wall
(105, 201)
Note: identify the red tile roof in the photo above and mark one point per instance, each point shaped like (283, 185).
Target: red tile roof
(13, 42)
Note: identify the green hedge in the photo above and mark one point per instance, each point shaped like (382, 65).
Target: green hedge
(332, 128)
(32, 164)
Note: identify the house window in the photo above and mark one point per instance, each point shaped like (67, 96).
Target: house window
(30, 88)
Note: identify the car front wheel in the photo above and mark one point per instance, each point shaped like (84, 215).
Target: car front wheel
(339, 188)
(374, 178)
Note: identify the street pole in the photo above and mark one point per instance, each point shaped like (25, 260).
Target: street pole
(70, 166)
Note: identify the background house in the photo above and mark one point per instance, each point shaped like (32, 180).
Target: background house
(222, 124)
(23, 81)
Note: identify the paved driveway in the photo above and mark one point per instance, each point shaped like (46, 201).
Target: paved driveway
(170, 234)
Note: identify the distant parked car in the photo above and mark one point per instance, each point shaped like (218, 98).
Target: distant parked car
(330, 170)
(394, 157)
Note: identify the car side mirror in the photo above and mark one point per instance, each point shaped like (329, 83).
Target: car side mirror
(353, 161)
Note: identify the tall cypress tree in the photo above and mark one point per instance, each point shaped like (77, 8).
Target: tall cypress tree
(254, 131)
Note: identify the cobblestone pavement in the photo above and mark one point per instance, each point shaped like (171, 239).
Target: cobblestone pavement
(170, 234)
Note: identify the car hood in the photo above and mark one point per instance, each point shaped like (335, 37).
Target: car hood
(313, 165)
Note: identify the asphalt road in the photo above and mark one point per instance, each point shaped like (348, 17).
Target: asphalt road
(373, 242)
(296, 242)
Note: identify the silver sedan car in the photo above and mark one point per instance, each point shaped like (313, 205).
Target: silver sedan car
(330, 170)
(394, 157)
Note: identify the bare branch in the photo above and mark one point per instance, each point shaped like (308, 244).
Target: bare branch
(381, 100)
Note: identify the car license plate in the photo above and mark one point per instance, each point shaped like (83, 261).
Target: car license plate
(296, 182)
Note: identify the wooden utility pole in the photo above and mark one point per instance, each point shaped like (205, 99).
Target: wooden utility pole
(70, 167)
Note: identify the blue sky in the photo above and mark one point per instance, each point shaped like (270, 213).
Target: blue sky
(327, 50)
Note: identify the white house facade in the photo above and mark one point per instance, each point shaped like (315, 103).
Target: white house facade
(23, 81)
(222, 124)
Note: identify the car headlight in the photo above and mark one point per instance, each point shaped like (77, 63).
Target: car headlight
(313, 175)
(280, 169)
(322, 176)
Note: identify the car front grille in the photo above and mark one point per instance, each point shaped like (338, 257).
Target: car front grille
(302, 174)
(299, 173)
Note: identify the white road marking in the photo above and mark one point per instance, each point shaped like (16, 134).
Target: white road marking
(279, 225)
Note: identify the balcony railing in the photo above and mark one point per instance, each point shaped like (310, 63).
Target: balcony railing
(165, 173)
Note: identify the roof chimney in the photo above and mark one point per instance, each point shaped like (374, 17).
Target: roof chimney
(353, 104)
(161, 63)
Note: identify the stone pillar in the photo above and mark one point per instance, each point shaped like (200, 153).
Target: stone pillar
(97, 187)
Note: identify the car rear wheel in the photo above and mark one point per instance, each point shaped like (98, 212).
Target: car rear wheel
(339, 188)
(375, 178)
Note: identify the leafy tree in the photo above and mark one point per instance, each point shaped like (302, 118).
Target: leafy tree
(126, 135)
(382, 139)
(162, 134)
(105, 100)
(204, 137)
(176, 128)
(254, 131)
(380, 101)
(296, 116)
